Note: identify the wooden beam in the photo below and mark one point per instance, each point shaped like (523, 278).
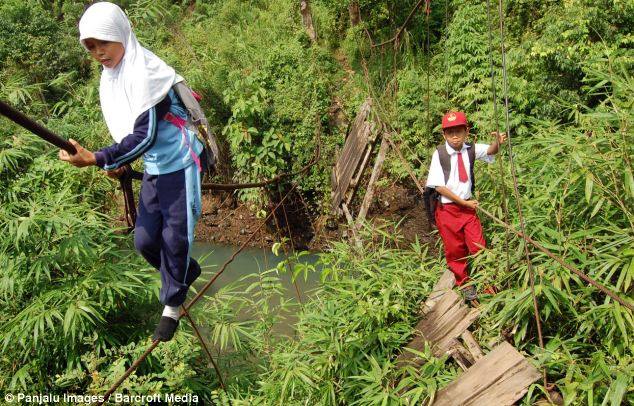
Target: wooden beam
(445, 283)
(365, 136)
(348, 215)
(472, 345)
(353, 151)
(500, 378)
(440, 327)
(376, 173)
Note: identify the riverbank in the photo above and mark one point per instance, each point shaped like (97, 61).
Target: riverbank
(220, 223)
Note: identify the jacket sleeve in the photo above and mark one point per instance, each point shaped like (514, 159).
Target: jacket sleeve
(134, 145)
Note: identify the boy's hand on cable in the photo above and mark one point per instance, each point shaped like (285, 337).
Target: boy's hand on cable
(82, 158)
(472, 204)
(499, 137)
(115, 173)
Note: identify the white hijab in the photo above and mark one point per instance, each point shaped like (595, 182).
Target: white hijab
(138, 82)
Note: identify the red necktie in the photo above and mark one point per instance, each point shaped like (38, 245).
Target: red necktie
(462, 172)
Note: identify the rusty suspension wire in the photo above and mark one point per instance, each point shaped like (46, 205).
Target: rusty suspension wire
(529, 264)
(205, 347)
(497, 129)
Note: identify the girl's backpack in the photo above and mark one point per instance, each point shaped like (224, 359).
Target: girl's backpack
(198, 123)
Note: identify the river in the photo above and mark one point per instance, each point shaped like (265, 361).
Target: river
(252, 260)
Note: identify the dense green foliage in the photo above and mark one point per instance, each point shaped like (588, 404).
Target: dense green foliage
(76, 301)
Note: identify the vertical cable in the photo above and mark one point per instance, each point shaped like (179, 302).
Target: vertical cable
(497, 129)
(529, 264)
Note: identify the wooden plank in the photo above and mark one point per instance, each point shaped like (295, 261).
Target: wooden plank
(510, 388)
(348, 215)
(418, 342)
(446, 301)
(351, 154)
(364, 148)
(435, 328)
(354, 129)
(346, 172)
(353, 147)
(354, 183)
(376, 173)
(360, 168)
(354, 136)
(445, 283)
(457, 329)
(447, 320)
(501, 376)
(472, 345)
(460, 354)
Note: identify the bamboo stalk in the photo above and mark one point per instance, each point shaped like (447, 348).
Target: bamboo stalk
(36, 128)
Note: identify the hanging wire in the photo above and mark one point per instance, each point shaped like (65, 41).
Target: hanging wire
(205, 347)
(285, 249)
(529, 264)
(428, 58)
(497, 129)
(446, 53)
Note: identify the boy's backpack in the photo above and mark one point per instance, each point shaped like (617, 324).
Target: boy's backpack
(431, 196)
(198, 123)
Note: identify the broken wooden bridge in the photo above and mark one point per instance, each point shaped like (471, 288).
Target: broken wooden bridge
(501, 377)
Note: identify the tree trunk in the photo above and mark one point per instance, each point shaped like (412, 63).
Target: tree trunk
(307, 19)
(355, 13)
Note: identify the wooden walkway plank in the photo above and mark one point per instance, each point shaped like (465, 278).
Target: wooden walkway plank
(376, 173)
(458, 329)
(442, 325)
(472, 345)
(501, 377)
(352, 154)
(510, 388)
(444, 284)
(435, 328)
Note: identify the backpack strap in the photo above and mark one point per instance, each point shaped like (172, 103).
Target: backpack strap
(445, 162)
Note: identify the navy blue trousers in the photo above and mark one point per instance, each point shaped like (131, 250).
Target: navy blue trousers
(169, 207)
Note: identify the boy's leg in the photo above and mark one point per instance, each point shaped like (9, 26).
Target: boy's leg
(149, 223)
(450, 228)
(474, 237)
(181, 205)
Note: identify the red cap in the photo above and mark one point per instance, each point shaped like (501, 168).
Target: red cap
(454, 119)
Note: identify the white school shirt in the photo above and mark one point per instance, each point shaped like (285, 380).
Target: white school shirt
(462, 189)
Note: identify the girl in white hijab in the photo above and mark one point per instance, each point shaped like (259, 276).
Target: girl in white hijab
(146, 118)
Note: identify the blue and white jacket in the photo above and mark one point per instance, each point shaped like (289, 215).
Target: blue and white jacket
(165, 147)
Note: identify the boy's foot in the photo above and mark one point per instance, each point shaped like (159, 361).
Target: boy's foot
(165, 329)
(470, 293)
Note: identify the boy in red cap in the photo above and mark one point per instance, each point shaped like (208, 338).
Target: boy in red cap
(451, 174)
